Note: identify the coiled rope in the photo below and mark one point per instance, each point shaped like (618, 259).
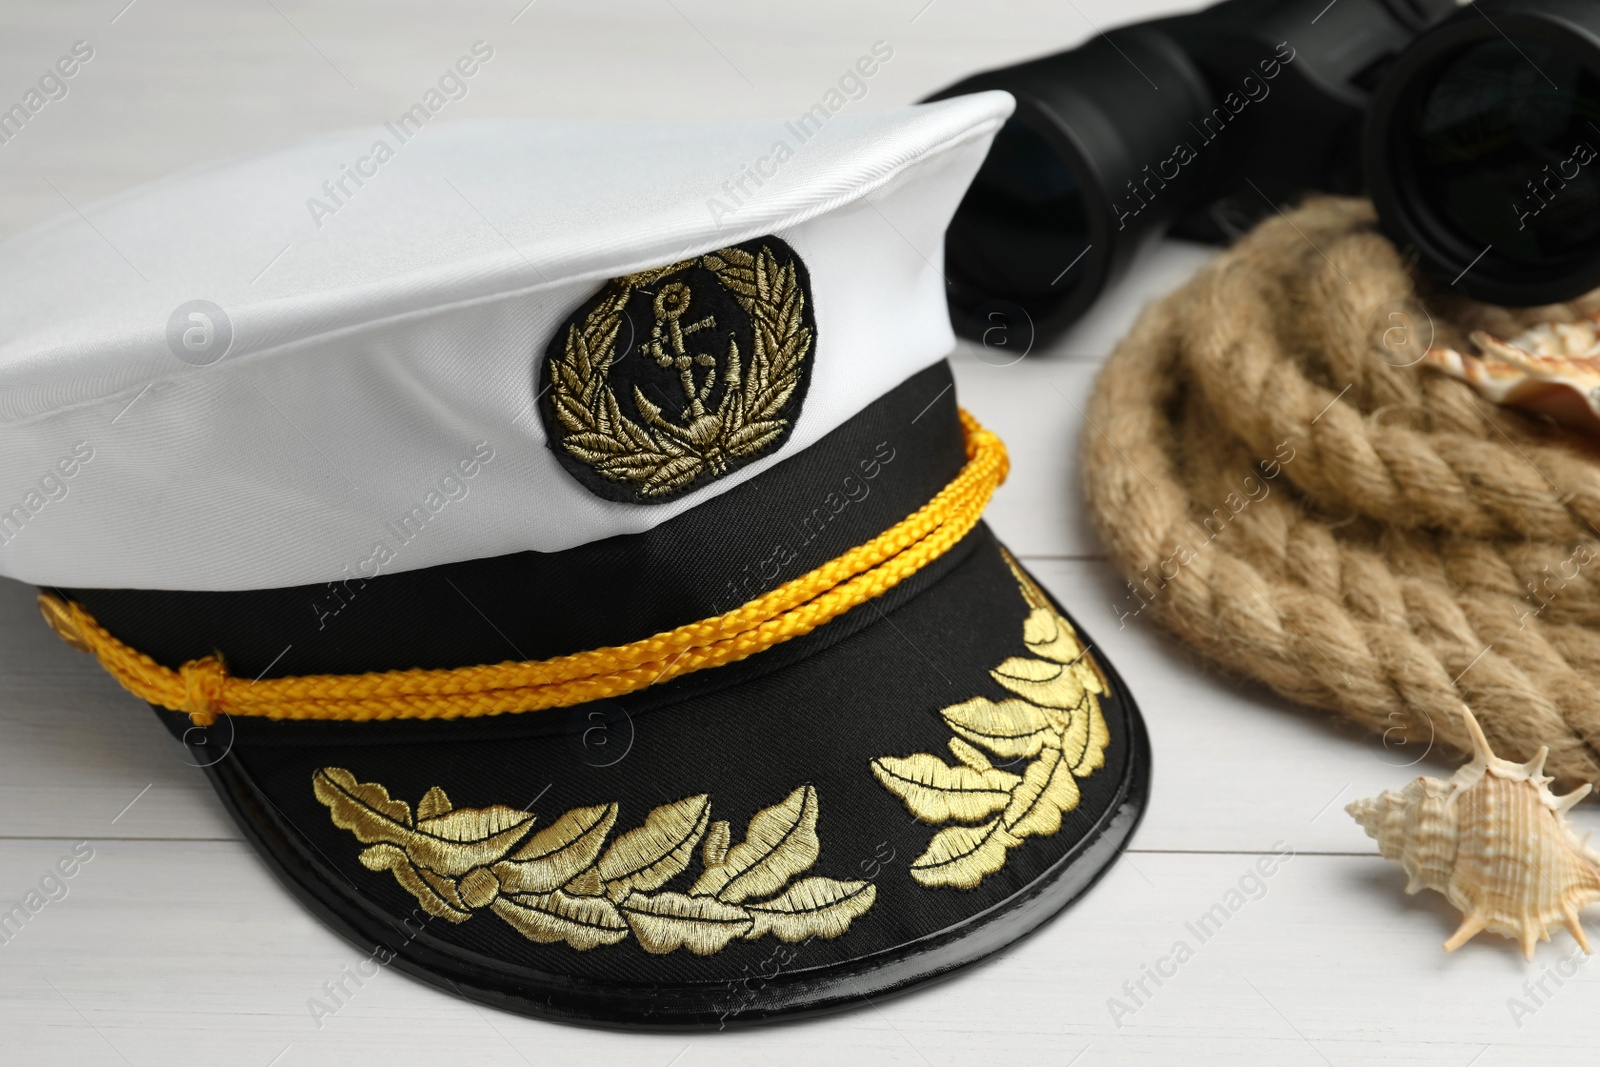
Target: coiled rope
(1291, 493)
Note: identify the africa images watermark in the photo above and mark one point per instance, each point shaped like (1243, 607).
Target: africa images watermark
(1536, 992)
(52, 85)
(744, 990)
(452, 85)
(1211, 527)
(52, 486)
(852, 85)
(1549, 185)
(338, 991)
(450, 487)
(1542, 591)
(1250, 886)
(1251, 90)
(756, 578)
(52, 888)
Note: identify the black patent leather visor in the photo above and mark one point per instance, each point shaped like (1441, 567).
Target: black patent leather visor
(906, 789)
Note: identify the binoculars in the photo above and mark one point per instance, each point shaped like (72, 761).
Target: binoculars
(1474, 128)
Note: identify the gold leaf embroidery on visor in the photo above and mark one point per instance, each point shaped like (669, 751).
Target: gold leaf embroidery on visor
(1054, 723)
(564, 884)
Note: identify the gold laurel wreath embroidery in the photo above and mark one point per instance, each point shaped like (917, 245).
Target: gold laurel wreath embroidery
(560, 885)
(1055, 722)
(660, 456)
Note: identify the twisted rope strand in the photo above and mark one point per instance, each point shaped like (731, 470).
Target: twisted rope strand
(202, 688)
(1413, 553)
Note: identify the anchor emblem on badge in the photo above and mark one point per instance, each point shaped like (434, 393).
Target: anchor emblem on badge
(668, 348)
(617, 424)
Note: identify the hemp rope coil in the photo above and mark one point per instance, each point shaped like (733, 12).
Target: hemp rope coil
(1399, 561)
(203, 688)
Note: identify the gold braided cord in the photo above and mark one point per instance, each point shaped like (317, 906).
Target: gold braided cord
(202, 688)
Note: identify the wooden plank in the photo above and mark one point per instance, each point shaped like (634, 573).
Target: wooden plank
(76, 750)
(167, 952)
(183, 82)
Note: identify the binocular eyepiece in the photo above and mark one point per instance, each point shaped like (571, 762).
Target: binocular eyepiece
(1476, 130)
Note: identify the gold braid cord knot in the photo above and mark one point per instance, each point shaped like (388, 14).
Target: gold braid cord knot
(1289, 489)
(203, 688)
(1051, 733)
(658, 455)
(566, 883)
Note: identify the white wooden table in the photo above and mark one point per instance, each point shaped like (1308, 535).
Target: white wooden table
(174, 945)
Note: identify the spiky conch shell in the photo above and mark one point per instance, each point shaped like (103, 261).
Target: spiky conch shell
(1494, 840)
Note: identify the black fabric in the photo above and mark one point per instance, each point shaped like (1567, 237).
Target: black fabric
(814, 711)
(820, 720)
(256, 731)
(857, 481)
(645, 361)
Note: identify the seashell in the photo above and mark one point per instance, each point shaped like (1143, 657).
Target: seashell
(1552, 369)
(1495, 841)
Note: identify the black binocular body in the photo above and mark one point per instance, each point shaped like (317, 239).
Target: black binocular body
(1474, 129)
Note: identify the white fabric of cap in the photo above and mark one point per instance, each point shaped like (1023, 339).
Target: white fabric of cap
(352, 362)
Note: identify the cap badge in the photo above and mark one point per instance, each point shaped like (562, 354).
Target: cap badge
(672, 377)
(1056, 726)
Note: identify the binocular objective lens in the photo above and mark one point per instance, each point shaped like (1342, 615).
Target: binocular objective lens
(1504, 146)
